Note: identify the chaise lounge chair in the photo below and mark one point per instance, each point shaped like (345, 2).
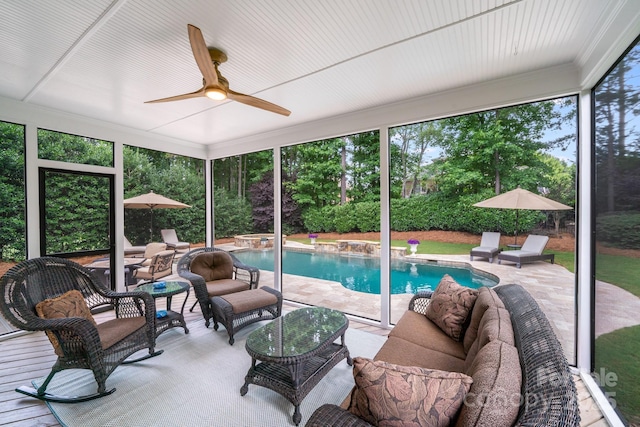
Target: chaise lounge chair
(531, 251)
(133, 251)
(171, 239)
(489, 246)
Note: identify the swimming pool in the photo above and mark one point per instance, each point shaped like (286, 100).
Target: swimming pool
(362, 274)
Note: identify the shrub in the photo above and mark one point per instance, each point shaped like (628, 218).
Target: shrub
(319, 219)
(620, 230)
(345, 219)
(367, 216)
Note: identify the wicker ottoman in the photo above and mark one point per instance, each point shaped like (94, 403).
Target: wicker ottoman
(239, 309)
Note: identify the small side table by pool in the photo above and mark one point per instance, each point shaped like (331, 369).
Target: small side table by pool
(172, 318)
(514, 246)
(291, 354)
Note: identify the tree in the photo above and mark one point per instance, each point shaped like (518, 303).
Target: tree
(12, 192)
(263, 208)
(493, 148)
(364, 169)
(313, 172)
(617, 101)
(558, 184)
(411, 143)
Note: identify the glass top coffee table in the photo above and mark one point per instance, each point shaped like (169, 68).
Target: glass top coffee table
(292, 353)
(167, 318)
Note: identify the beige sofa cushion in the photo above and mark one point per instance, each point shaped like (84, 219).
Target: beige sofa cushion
(391, 395)
(402, 352)
(416, 328)
(494, 397)
(495, 325)
(450, 306)
(487, 297)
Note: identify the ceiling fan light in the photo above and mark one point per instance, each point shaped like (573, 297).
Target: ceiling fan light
(216, 94)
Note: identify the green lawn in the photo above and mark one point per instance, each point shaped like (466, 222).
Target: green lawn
(619, 270)
(618, 369)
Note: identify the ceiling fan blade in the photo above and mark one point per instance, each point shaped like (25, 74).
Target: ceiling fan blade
(257, 102)
(196, 94)
(202, 57)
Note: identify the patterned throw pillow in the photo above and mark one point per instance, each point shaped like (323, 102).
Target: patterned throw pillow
(69, 304)
(394, 395)
(450, 306)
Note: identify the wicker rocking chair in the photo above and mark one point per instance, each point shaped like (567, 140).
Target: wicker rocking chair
(56, 295)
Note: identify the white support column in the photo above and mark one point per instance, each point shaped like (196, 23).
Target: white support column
(118, 165)
(208, 204)
(385, 229)
(32, 188)
(583, 232)
(277, 218)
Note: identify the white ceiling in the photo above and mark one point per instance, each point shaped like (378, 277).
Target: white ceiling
(103, 58)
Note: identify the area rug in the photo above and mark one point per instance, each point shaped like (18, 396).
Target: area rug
(196, 382)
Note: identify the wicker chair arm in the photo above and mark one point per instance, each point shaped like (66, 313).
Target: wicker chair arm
(246, 273)
(197, 282)
(420, 301)
(329, 415)
(74, 329)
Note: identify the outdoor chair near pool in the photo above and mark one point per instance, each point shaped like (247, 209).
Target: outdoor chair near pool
(489, 246)
(152, 249)
(161, 265)
(531, 251)
(214, 272)
(56, 295)
(171, 239)
(133, 251)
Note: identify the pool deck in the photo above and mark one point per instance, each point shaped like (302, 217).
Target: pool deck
(552, 286)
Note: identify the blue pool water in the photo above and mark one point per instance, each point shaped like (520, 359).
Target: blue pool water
(362, 274)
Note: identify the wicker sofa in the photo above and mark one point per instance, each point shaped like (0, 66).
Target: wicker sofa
(520, 375)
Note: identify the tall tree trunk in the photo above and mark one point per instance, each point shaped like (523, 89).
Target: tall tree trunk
(622, 111)
(611, 170)
(239, 176)
(343, 176)
(496, 160)
(244, 176)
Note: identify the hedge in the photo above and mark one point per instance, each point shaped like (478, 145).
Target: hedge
(431, 212)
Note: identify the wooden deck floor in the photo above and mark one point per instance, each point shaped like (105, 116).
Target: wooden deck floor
(30, 356)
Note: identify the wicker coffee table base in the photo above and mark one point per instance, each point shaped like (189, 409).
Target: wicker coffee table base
(295, 379)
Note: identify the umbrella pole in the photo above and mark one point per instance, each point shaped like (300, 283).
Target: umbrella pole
(151, 228)
(515, 241)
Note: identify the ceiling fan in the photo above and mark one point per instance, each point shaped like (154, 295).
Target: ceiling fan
(215, 86)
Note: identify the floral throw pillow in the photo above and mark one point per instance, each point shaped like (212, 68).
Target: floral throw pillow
(450, 306)
(392, 395)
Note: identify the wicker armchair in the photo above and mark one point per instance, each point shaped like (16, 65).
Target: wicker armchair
(244, 276)
(56, 295)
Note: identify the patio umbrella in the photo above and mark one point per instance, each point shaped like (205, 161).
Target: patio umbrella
(521, 199)
(152, 201)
